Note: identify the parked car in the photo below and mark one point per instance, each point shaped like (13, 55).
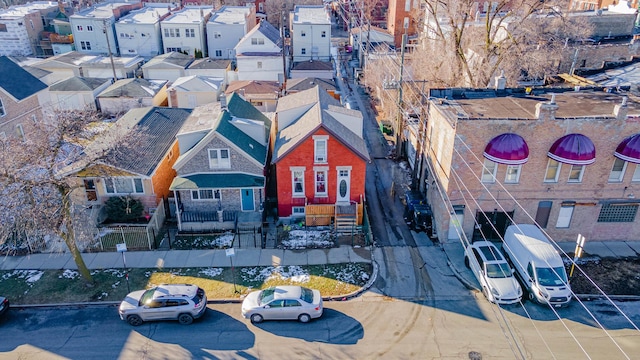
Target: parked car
(282, 303)
(182, 302)
(4, 305)
(418, 214)
(538, 265)
(493, 273)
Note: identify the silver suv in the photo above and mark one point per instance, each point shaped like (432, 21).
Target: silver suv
(182, 302)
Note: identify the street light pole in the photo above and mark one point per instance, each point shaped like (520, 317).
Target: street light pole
(106, 33)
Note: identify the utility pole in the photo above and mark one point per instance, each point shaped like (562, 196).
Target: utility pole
(400, 119)
(284, 57)
(417, 167)
(106, 33)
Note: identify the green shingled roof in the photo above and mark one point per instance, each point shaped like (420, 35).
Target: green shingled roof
(217, 180)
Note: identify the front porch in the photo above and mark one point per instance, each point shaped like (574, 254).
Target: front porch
(198, 221)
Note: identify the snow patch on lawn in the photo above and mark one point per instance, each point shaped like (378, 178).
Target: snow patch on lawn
(211, 272)
(69, 274)
(350, 274)
(302, 239)
(29, 276)
(292, 273)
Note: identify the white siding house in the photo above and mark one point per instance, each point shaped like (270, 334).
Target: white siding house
(195, 90)
(93, 26)
(20, 26)
(226, 27)
(310, 33)
(184, 30)
(259, 54)
(169, 66)
(139, 32)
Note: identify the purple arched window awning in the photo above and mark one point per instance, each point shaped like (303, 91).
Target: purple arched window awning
(629, 149)
(509, 149)
(573, 149)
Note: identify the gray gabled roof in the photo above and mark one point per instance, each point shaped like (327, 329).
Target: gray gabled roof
(268, 30)
(313, 65)
(18, 82)
(173, 58)
(210, 63)
(78, 84)
(316, 117)
(133, 88)
(301, 84)
(156, 132)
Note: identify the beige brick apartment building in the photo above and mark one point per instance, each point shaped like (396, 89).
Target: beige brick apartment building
(568, 160)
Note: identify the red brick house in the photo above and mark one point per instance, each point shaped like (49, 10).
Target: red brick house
(319, 159)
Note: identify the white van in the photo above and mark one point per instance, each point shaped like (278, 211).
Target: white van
(537, 264)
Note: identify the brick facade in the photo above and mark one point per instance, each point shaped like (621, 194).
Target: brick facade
(338, 155)
(456, 144)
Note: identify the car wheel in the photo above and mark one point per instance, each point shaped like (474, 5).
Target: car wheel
(185, 319)
(466, 262)
(256, 318)
(134, 320)
(304, 318)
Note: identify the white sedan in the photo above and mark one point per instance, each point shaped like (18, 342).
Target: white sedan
(282, 303)
(493, 273)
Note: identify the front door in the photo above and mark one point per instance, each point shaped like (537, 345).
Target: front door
(90, 190)
(247, 200)
(343, 186)
(455, 225)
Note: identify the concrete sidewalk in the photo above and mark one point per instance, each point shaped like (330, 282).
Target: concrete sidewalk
(189, 258)
(601, 249)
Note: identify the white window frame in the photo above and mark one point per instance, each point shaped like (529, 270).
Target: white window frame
(218, 53)
(509, 178)
(295, 193)
(217, 161)
(114, 185)
(489, 170)
(79, 28)
(89, 28)
(297, 210)
(564, 216)
(323, 182)
(20, 132)
(580, 174)
(303, 51)
(323, 34)
(617, 171)
(257, 41)
(549, 167)
(197, 195)
(303, 33)
(320, 155)
(636, 174)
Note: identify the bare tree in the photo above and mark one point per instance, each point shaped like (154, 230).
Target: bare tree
(36, 200)
(464, 45)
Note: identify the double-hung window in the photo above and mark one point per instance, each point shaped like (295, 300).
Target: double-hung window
(513, 174)
(320, 149)
(489, 169)
(575, 175)
(219, 159)
(321, 183)
(617, 171)
(123, 186)
(297, 177)
(553, 170)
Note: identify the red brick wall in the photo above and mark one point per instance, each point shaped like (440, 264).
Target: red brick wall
(303, 155)
(165, 173)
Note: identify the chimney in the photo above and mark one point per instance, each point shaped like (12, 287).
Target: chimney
(621, 110)
(223, 101)
(547, 110)
(501, 81)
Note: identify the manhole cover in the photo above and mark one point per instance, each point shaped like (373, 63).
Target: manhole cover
(474, 355)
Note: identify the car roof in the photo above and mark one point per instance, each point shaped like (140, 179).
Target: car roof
(175, 290)
(287, 292)
(489, 251)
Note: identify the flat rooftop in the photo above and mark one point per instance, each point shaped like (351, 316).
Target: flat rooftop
(150, 14)
(571, 104)
(100, 11)
(310, 14)
(230, 15)
(188, 15)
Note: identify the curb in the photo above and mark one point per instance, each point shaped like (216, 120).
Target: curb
(464, 281)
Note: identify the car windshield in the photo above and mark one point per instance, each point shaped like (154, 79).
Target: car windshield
(266, 295)
(306, 295)
(146, 297)
(551, 277)
(501, 270)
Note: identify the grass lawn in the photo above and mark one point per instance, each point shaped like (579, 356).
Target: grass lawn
(58, 286)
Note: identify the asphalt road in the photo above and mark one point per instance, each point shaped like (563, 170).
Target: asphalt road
(370, 327)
